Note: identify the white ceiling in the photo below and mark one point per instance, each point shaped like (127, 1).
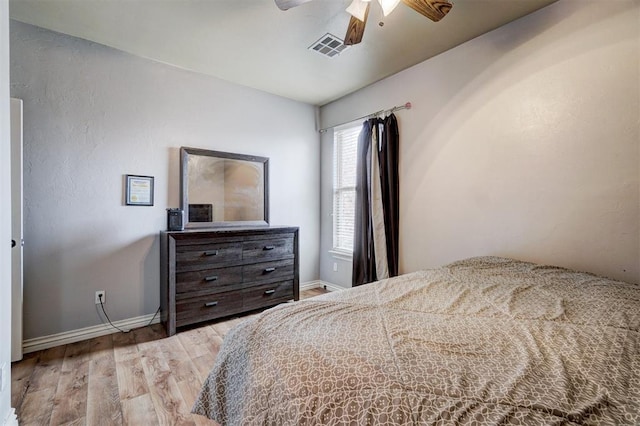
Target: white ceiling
(253, 43)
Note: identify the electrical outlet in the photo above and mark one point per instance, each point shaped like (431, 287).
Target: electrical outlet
(335, 266)
(98, 294)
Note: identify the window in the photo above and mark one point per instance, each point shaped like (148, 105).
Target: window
(345, 149)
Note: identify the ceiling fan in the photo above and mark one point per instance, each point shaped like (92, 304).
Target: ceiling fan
(359, 10)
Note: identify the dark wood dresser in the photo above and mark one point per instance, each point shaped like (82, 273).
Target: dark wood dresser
(213, 273)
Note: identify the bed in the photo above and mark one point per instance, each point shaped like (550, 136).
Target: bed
(481, 341)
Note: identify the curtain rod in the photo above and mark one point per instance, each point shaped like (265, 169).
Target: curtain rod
(375, 114)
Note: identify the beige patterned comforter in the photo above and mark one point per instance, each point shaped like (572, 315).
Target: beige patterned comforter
(482, 341)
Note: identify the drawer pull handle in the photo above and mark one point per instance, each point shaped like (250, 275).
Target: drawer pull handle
(266, 270)
(210, 304)
(269, 292)
(211, 253)
(269, 247)
(211, 278)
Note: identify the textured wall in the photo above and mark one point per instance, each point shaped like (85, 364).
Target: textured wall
(522, 142)
(93, 114)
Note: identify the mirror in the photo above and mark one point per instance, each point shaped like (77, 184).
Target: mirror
(223, 189)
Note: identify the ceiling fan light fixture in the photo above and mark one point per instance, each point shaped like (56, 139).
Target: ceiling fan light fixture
(388, 6)
(358, 9)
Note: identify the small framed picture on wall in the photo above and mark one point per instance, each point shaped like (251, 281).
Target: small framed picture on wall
(138, 190)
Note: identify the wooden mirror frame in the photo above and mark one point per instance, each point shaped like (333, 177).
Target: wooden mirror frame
(185, 152)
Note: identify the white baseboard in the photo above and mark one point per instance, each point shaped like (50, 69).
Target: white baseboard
(66, 337)
(11, 419)
(311, 284)
(320, 284)
(334, 287)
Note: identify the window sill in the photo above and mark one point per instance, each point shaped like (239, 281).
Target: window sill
(341, 254)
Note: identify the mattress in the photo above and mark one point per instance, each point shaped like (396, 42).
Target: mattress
(482, 341)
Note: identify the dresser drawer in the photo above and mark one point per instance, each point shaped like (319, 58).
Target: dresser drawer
(267, 248)
(267, 294)
(212, 280)
(275, 270)
(208, 274)
(208, 307)
(213, 254)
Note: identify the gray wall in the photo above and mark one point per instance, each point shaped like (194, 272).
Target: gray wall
(522, 142)
(5, 215)
(93, 114)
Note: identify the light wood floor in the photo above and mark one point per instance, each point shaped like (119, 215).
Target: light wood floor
(136, 378)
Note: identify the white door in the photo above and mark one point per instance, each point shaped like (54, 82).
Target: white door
(16, 229)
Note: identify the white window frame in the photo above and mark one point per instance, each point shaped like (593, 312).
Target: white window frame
(345, 142)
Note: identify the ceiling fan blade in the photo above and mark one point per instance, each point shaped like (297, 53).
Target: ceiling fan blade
(432, 9)
(355, 30)
(288, 4)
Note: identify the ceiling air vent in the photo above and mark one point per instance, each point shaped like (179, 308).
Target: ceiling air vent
(328, 45)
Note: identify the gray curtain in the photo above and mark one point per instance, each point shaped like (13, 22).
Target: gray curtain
(377, 202)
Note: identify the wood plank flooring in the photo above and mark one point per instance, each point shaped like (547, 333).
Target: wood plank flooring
(136, 378)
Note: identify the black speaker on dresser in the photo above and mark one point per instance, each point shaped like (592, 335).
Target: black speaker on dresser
(175, 220)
